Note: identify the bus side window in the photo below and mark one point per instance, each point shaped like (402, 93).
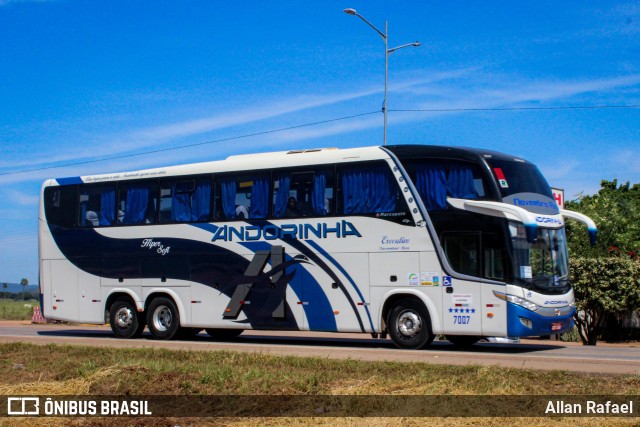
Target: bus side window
(137, 203)
(242, 197)
(463, 252)
(96, 205)
(465, 249)
(493, 249)
(185, 200)
(302, 193)
(437, 180)
(367, 189)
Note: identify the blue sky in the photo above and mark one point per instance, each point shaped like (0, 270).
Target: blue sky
(84, 81)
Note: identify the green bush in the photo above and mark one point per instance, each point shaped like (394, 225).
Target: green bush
(603, 287)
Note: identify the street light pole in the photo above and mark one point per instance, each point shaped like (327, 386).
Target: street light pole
(387, 52)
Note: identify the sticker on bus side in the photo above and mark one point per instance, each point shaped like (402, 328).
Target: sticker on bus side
(429, 279)
(413, 279)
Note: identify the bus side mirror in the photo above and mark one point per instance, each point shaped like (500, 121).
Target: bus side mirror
(591, 226)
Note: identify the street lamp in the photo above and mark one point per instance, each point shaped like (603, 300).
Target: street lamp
(387, 52)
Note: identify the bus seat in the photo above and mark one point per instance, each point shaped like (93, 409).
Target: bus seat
(92, 218)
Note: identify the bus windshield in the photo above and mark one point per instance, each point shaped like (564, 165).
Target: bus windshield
(541, 265)
(516, 177)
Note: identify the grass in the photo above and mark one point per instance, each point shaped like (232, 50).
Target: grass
(75, 370)
(17, 309)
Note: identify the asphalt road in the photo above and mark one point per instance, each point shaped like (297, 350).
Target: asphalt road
(531, 354)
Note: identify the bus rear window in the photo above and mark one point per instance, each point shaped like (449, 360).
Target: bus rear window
(59, 205)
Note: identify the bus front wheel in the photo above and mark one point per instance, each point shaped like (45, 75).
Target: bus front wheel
(163, 319)
(409, 325)
(124, 319)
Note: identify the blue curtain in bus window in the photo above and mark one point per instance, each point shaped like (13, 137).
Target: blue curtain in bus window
(107, 206)
(136, 208)
(228, 187)
(317, 194)
(460, 183)
(368, 190)
(259, 197)
(282, 195)
(431, 183)
(180, 203)
(201, 203)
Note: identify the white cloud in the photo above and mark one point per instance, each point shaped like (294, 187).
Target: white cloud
(465, 88)
(505, 92)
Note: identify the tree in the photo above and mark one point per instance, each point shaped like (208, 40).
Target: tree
(616, 211)
(5, 285)
(606, 277)
(604, 288)
(24, 282)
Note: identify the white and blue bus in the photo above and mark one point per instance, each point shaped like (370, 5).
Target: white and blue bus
(407, 241)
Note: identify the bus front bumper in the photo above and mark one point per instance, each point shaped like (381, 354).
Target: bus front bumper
(523, 323)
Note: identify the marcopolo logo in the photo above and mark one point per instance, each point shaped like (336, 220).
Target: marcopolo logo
(321, 230)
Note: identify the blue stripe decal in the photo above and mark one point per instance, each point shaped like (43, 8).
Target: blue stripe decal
(69, 181)
(319, 312)
(344, 272)
(315, 258)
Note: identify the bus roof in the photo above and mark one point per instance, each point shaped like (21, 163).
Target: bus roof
(244, 162)
(292, 158)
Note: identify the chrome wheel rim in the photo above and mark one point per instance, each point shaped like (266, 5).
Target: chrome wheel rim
(409, 323)
(162, 318)
(124, 317)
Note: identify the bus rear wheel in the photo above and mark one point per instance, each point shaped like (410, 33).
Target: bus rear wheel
(409, 325)
(124, 319)
(163, 319)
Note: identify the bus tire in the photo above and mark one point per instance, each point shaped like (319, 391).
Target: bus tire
(163, 319)
(409, 325)
(462, 340)
(224, 334)
(124, 319)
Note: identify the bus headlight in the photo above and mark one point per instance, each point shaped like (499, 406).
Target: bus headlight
(529, 305)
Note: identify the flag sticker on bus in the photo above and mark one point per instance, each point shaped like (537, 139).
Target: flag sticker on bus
(501, 178)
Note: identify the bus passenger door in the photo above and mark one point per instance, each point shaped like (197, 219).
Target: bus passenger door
(462, 299)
